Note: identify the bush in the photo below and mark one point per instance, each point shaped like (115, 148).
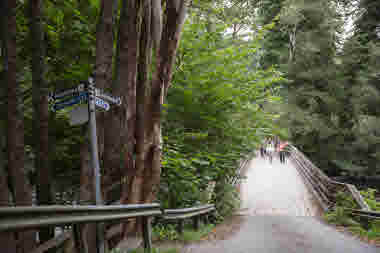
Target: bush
(227, 200)
(368, 229)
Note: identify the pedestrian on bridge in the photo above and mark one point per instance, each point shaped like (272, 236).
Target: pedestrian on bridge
(281, 151)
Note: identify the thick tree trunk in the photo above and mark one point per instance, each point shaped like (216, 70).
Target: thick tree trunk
(113, 129)
(128, 55)
(175, 17)
(103, 66)
(21, 187)
(41, 113)
(136, 184)
(128, 59)
(7, 240)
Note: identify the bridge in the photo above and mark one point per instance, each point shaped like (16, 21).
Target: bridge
(282, 206)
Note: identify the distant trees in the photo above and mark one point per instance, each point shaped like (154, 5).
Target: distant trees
(331, 94)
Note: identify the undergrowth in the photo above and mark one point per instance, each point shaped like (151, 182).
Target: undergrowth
(368, 229)
(168, 232)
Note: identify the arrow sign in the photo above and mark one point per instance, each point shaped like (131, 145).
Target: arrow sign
(101, 103)
(72, 101)
(108, 97)
(65, 93)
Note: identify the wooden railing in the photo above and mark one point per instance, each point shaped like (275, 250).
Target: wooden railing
(323, 188)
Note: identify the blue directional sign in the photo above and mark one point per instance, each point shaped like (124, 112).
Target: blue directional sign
(101, 103)
(65, 93)
(83, 96)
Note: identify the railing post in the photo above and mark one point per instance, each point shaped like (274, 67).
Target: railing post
(147, 234)
(205, 219)
(180, 226)
(196, 222)
(78, 240)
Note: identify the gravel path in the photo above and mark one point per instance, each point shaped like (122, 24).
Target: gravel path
(280, 216)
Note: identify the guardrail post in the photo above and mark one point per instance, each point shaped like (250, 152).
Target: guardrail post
(147, 234)
(78, 240)
(196, 222)
(180, 226)
(205, 219)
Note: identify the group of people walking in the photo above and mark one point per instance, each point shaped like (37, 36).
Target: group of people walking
(273, 146)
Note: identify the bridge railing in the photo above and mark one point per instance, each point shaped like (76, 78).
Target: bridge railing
(324, 188)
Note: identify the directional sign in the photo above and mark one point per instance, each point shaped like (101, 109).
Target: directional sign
(108, 97)
(101, 103)
(71, 101)
(65, 93)
(79, 115)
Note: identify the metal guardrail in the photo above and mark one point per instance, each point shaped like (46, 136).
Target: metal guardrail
(24, 218)
(14, 219)
(194, 212)
(322, 187)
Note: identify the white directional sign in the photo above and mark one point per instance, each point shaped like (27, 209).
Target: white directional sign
(101, 103)
(108, 97)
(79, 115)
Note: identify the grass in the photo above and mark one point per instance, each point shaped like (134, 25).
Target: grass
(366, 230)
(195, 236)
(168, 232)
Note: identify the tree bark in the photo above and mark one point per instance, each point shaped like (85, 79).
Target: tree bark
(7, 240)
(114, 119)
(21, 187)
(128, 60)
(103, 63)
(41, 113)
(175, 17)
(128, 55)
(136, 185)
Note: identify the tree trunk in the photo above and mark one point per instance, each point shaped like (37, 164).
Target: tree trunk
(111, 121)
(103, 66)
(128, 60)
(7, 240)
(21, 187)
(136, 189)
(41, 113)
(175, 17)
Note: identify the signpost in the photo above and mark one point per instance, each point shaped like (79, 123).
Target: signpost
(95, 98)
(78, 115)
(101, 103)
(71, 101)
(108, 97)
(65, 93)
